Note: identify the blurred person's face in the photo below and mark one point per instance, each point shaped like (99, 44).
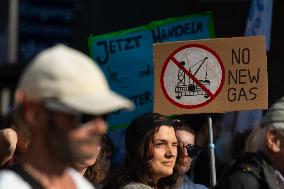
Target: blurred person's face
(281, 158)
(164, 153)
(186, 139)
(72, 141)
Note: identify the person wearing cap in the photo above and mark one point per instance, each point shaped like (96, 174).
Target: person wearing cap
(262, 166)
(64, 97)
(151, 154)
(187, 136)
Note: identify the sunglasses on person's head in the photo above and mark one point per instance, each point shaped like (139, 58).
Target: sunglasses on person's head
(191, 150)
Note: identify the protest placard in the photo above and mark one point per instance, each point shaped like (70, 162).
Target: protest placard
(218, 75)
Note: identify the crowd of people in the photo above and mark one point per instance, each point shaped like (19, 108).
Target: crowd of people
(56, 137)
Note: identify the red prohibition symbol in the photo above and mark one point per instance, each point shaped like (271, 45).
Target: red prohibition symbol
(192, 76)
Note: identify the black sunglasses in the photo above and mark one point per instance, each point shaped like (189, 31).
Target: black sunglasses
(85, 118)
(82, 118)
(192, 150)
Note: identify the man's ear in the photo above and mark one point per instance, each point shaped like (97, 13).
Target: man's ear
(31, 113)
(273, 140)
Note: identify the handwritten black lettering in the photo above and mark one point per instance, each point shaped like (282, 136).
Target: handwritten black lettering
(235, 56)
(232, 94)
(199, 26)
(246, 56)
(113, 76)
(148, 71)
(142, 99)
(243, 76)
(232, 76)
(137, 41)
(241, 94)
(241, 56)
(112, 47)
(253, 93)
(105, 60)
(254, 78)
(179, 30)
(163, 34)
(118, 45)
(128, 44)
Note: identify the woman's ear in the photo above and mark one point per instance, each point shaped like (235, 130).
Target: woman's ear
(272, 140)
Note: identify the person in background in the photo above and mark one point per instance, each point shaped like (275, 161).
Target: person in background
(262, 166)
(152, 156)
(98, 173)
(8, 142)
(64, 98)
(16, 136)
(187, 136)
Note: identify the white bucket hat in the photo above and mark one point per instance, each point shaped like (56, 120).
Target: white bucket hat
(69, 81)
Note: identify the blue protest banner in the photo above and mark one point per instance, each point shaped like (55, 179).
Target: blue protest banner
(126, 60)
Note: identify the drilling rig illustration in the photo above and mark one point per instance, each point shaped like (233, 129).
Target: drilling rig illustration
(186, 86)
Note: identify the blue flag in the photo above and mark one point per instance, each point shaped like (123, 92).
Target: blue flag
(260, 19)
(258, 23)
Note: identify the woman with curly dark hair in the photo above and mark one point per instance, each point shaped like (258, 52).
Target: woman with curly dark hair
(152, 156)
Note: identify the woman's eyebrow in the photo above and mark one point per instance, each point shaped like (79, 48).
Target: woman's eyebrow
(165, 141)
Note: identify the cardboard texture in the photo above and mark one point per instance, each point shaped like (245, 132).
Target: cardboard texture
(206, 76)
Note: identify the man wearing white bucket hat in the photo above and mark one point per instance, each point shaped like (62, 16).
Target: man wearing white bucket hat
(63, 97)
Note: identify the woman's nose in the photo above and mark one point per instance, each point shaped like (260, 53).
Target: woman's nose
(171, 151)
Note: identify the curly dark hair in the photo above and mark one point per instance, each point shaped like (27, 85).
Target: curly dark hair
(98, 172)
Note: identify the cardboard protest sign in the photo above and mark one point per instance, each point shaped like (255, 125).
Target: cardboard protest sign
(218, 75)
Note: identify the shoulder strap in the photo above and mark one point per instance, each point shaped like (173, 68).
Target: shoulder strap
(27, 177)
